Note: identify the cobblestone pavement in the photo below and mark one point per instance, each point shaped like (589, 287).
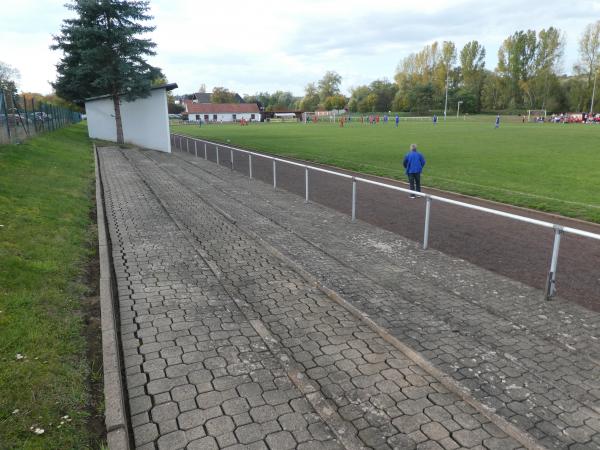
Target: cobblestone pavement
(535, 363)
(226, 346)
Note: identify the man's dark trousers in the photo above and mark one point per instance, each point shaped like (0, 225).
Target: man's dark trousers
(415, 181)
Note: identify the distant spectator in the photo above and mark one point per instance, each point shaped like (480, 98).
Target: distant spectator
(397, 120)
(434, 119)
(498, 121)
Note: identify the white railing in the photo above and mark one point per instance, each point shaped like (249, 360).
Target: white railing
(182, 142)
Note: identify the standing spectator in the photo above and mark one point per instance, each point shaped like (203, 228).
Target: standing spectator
(414, 163)
(397, 120)
(434, 119)
(498, 121)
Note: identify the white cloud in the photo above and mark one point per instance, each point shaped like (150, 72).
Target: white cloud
(274, 44)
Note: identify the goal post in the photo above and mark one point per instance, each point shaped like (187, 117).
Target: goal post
(533, 115)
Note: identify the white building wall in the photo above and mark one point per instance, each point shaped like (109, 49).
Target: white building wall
(224, 117)
(145, 121)
(101, 119)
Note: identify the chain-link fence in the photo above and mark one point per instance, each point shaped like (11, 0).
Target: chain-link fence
(22, 117)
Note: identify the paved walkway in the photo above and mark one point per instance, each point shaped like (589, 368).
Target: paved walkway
(228, 343)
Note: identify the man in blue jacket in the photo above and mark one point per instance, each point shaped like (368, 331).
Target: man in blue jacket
(414, 163)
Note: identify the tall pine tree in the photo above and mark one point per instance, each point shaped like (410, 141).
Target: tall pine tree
(103, 53)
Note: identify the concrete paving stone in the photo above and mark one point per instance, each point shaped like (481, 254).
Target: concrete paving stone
(144, 434)
(205, 443)
(140, 404)
(470, 438)
(434, 431)
(219, 426)
(249, 433)
(429, 445)
(282, 440)
(196, 417)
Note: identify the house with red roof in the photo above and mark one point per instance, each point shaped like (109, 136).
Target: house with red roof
(221, 112)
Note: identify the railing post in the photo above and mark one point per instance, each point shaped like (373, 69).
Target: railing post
(250, 165)
(217, 155)
(353, 199)
(551, 282)
(427, 215)
(187, 144)
(196, 148)
(231, 157)
(205, 155)
(305, 184)
(274, 175)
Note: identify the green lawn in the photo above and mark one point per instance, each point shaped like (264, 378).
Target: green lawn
(550, 167)
(46, 239)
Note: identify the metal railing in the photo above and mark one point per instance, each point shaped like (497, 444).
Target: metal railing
(182, 143)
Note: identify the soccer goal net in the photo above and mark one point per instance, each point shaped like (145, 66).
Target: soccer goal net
(536, 115)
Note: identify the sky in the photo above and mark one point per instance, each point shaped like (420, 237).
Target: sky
(252, 46)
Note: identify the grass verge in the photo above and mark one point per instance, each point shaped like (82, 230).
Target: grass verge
(47, 249)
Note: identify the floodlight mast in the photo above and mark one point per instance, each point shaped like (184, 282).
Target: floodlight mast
(446, 102)
(593, 93)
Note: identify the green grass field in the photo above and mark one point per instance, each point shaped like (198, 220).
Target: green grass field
(549, 167)
(47, 238)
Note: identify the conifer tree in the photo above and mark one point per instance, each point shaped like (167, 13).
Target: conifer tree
(103, 53)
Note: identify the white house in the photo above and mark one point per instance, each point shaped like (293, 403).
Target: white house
(145, 120)
(221, 112)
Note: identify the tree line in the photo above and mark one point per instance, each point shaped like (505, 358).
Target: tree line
(527, 76)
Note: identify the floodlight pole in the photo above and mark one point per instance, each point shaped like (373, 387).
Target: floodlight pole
(593, 93)
(458, 108)
(446, 102)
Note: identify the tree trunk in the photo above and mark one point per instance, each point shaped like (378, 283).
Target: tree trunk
(119, 124)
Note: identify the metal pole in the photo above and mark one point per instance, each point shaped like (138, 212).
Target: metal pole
(427, 215)
(26, 116)
(196, 148)
(274, 175)
(42, 119)
(187, 145)
(250, 165)
(353, 199)
(5, 115)
(205, 155)
(593, 93)
(231, 157)
(306, 185)
(35, 126)
(217, 156)
(551, 284)
(446, 101)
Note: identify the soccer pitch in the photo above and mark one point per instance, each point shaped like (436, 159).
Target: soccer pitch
(549, 167)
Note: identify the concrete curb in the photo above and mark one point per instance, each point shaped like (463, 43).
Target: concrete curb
(115, 414)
